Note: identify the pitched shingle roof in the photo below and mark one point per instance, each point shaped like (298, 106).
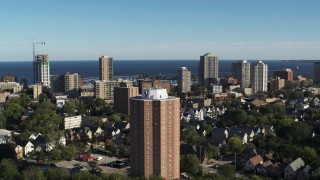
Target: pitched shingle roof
(256, 160)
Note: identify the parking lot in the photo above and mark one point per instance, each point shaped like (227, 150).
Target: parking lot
(101, 164)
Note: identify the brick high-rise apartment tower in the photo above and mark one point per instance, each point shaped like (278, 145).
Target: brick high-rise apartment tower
(155, 134)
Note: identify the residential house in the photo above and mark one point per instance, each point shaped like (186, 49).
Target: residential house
(97, 131)
(185, 117)
(275, 170)
(304, 174)
(26, 115)
(113, 133)
(122, 125)
(262, 168)
(291, 171)
(253, 162)
(40, 144)
(18, 150)
(267, 129)
(34, 136)
(27, 146)
(240, 132)
(219, 136)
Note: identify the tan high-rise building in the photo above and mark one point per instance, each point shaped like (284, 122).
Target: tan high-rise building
(184, 80)
(37, 90)
(208, 69)
(122, 97)
(71, 84)
(155, 134)
(277, 83)
(105, 89)
(105, 68)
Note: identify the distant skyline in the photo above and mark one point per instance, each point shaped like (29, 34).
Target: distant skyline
(166, 29)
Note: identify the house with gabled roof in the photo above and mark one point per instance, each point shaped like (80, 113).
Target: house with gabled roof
(239, 132)
(262, 168)
(252, 163)
(34, 136)
(275, 170)
(96, 131)
(219, 136)
(18, 150)
(27, 146)
(185, 116)
(291, 171)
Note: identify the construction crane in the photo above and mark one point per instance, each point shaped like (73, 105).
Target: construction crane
(33, 42)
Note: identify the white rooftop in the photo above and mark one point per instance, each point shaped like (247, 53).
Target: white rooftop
(156, 94)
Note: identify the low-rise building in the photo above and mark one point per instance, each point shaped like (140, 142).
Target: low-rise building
(72, 122)
(3, 96)
(290, 172)
(253, 162)
(12, 86)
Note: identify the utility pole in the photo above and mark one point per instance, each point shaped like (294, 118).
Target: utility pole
(235, 160)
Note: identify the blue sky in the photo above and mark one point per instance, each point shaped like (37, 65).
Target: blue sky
(161, 29)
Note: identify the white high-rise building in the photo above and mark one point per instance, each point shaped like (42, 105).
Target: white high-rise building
(241, 71)
(259, 77)
(42, 69)
(208, 69)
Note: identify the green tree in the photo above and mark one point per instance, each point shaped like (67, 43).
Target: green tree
(212, 152)
(214, 176)
(46, 122)
(57, 173)
(7, 151)
(113, 176)
(309, 155)
(227, 170)
(43, 98)
(190, 164)
(124, 151)
(236, 116)
(223, 149)
(295, 131)
(34, 173)
(235, 145)
(74, 107)
(114, 117)
(109, 110)
(68, 152)
(110, 146)
(191, 136)
(55, 154)
(8, 170)
(308, 94)
(83, 175)
(96, 122)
